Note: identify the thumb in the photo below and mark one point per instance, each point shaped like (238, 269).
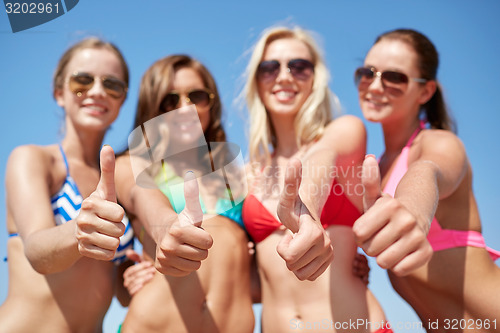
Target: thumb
(106, 186)
(192, 197)
(290, 194)
(371, 182)
(133, 255)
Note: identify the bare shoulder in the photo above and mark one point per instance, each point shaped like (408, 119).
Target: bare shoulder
(32, 159)
(347, 134)
(442, 143)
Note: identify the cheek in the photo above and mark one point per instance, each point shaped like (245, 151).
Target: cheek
(205, 120)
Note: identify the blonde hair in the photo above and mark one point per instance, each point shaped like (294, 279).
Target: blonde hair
(313, 116)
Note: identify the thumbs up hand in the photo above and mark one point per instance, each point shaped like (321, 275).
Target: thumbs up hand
(185, 244)
(309, 252)
(98, 225)
(388, 230)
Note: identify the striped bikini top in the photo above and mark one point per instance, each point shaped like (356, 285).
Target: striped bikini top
(66, 205)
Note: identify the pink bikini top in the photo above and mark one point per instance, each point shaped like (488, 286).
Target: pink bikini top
(439, 238)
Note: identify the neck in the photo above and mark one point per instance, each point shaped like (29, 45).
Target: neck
(83, 145)
(285, 135)
(396, 135)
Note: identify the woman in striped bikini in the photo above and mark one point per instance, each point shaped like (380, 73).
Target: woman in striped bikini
(55, 282)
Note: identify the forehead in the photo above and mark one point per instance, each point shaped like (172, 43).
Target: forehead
(286, 49)
(392, 54)
(97, 62)
(187, 78)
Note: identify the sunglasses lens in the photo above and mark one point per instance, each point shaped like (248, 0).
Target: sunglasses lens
(169, 102)
(301, 69)
(80, 83)
(199, 97)
(394, 77)
(114, 87)
(363, 74)
(268, 70)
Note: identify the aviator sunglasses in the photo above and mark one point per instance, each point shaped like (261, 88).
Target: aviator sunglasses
(200, 97)
(301, 69)
(80, 83)
(390, 79)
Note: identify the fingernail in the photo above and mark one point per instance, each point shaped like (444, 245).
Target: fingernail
(369, 155)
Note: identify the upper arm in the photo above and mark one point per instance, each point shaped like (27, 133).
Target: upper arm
(27, 181)
(443, 155)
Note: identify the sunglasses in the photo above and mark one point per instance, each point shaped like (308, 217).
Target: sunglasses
(80, 83)
(300, 69)
(200, 97)
(391, 80)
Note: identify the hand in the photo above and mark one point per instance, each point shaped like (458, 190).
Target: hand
(185, 243)
(360, 268)
(308, 252)
(388, 230)
(136, 276)
(99, 224)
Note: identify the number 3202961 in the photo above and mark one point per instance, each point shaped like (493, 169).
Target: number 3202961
(31, 8)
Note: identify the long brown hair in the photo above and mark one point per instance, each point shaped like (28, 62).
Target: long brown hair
(435, 109)
(158, 80)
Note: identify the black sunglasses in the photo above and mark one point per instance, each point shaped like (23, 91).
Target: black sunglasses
(301, 69)
(367, 74)
(80, 83)
(200, 97)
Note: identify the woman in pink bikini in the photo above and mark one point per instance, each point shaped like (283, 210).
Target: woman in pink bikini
(428, 180)
(292, 128)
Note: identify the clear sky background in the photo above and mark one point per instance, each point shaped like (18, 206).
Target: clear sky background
(220, 33)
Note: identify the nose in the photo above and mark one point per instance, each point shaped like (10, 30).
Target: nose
(97, 88)
(376, 84)
(284, 73)
(184, 100)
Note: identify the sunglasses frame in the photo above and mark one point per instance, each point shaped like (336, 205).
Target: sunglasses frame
(380, 75)
(86, 87)
(270, 75)
(211, 98)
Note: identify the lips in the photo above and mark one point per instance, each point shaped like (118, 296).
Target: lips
(283, 95)
(95, 109)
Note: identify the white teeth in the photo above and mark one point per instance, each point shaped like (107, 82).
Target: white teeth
(285, 94)
(96, 108)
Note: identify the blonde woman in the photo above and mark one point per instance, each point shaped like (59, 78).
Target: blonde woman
(293, 138)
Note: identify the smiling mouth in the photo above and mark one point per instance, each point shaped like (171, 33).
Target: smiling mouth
(95, 108)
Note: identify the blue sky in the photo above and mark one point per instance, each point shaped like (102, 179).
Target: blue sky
(220, 33)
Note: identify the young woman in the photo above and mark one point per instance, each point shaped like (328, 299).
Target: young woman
(196, 294)
(55, 283)
(293, 138)
(427, 174)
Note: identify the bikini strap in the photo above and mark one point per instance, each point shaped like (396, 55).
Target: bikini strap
(412, 137)
(65, 160)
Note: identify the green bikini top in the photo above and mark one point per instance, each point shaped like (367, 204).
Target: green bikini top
(172, 185)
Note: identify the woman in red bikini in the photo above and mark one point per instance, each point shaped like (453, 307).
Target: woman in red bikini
(427, 174)
(291, 129)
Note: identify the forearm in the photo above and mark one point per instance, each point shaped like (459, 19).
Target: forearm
(53, 249)
(418, 191)
(154, 211)
(317, 180)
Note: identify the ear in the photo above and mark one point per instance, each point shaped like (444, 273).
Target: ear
(427, 92)
(58, 96)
